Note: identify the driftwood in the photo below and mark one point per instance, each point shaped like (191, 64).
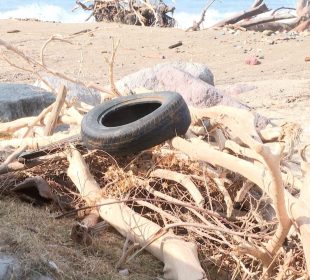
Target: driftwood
(166, 247)
(253, 22)
(213, 174)
(141, 12)
(52, 120)
(262, 8)
(196, 25)
(249, 20)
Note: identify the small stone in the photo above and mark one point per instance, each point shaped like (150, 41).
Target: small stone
(124, 272)
(163, 57)
(267, 32)
(237, 32)
(252, 61)
(53, 266)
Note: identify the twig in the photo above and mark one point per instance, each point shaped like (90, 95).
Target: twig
(110, 62)
(196, 25)
(183, 180)
(53, 38)
(52, 121)
(4, 167)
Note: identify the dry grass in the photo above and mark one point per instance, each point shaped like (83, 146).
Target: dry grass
(32, 234)
(35, 235)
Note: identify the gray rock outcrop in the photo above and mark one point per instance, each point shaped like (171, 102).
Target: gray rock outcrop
(21, 100)
(9, 267)
(81, 93)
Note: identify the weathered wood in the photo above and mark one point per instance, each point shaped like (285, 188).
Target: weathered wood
(142, 12)
(257, 21)
(243, 15)
(180, 257)
(52, 121)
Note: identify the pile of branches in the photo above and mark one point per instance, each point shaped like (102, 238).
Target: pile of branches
(259, 17)
(133, 12)
(220, 196)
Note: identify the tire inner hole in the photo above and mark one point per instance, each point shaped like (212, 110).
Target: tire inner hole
(129, 113)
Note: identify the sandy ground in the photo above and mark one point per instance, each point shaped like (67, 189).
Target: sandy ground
(281, 82)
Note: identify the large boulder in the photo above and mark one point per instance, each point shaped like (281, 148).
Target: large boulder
(147, 78)
(195, 91)
(74, 91)
(21, 100)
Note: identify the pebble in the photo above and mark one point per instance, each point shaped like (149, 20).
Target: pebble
(267, 32)
(124, 272)
(252, 60)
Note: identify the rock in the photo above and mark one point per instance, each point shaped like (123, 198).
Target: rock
(267, 32)
(146, 78)
(195, 91)
(21, 100)
(81, 93)
(124, 272)
(252, 60)
(41, 277)
(9, 267)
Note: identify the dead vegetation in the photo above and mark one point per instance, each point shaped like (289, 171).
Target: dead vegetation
(259, 17)
(133, 12)
(222, 193)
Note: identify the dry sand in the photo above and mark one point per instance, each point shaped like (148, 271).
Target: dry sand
(281, 81)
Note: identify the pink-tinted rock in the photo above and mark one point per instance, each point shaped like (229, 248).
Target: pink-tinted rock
(252, 61)
(195, 91)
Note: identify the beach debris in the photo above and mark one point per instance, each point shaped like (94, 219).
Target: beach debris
(196, 199)
(140, 122)
(13, 31)
(254, 18)
(178, 44)
(197, 24)
(252, 60)
(307, 58)
(81, 32)
(34, 189)
(140, 12)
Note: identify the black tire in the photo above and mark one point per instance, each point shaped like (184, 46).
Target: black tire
(134, 123)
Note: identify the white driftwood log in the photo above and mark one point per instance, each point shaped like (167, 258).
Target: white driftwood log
(180, 257)
(36, 142)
